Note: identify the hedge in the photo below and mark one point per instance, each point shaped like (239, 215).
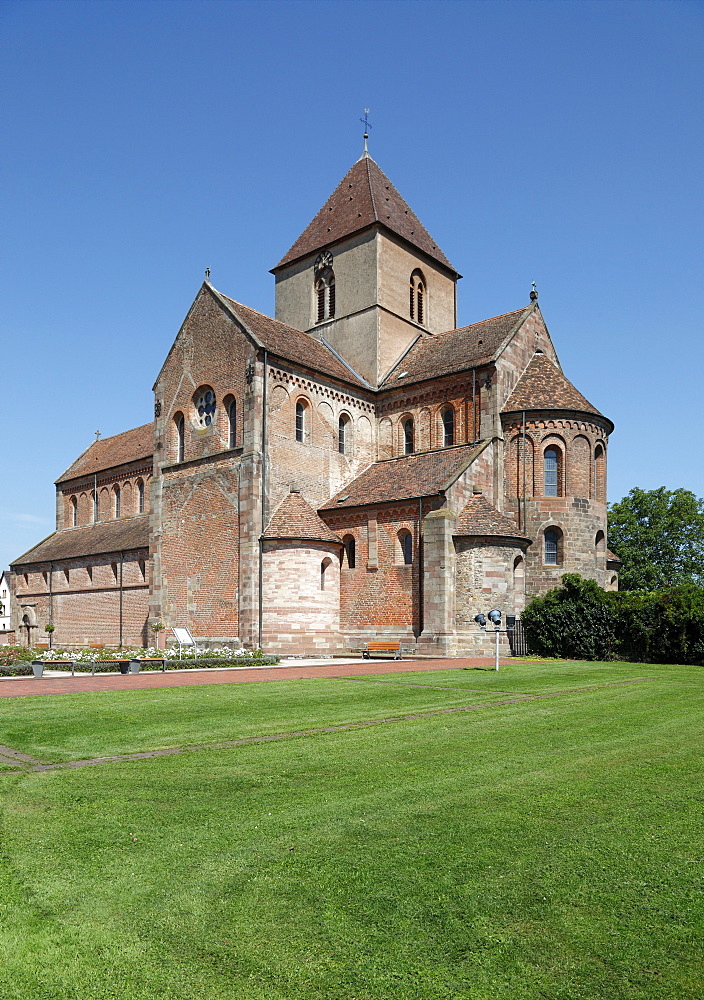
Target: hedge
(581, 621)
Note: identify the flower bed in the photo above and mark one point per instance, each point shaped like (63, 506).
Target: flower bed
(16, 660)
(111, 666)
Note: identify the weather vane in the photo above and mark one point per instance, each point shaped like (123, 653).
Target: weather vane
(365, 121)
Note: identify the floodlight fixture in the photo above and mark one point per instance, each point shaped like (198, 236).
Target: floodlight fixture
(495, 617)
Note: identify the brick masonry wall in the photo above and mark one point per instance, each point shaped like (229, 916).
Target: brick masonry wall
(195, 525)
(127, 477)
(199, 548)
(379, 597)
(577, 514)
(82, 598)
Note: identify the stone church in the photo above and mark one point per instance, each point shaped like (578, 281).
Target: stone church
(356, 468)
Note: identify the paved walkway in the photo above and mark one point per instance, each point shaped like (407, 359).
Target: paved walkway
(287, 670)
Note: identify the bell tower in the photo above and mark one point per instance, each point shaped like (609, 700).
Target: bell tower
(365, 276)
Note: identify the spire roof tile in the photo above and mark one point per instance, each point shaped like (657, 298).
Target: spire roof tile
(364, 197)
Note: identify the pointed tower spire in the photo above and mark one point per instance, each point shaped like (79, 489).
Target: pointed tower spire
(367, 126)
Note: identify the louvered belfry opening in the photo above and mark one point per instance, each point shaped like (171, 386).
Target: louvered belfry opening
(325, 296)
(417, 308)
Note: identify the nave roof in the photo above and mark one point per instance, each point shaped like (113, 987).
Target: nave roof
(110, 452)
(123, 535)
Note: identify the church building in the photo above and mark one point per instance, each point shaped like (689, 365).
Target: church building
(356, 468)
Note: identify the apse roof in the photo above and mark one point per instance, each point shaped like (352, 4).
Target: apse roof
(455, 350)
(422, 474)
(295, 518)
(107, 453)
(479, 517)
(364, 197)
(123, 535)
(542, 386)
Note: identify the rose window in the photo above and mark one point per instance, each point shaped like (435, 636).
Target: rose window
(205, 408)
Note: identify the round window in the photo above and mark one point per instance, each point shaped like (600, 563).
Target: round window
(205, 408)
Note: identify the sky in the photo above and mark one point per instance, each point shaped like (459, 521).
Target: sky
(559, 143)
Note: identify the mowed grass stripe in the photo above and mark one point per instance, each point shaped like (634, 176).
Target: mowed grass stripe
(539, 851)
(33, 765)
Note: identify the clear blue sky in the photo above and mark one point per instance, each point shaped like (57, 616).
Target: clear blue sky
(143, 142)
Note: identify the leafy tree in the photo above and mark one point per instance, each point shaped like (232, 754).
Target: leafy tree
(659, 535)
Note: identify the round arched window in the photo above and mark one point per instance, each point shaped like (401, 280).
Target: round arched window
(205, 408)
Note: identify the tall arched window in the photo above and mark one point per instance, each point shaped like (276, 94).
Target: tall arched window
(551, 472)
(350, 551)
(343, 435)
(180, 436)
(117, 500)
(448, 426)
(140, 496)
(519, 575)
(204, 402)
(407, 547)
(74, 512)
(408, 439)
(325, 295)
(551, 550)
(301, 420)
(599, 548)
(325, 564)
(417, 303)
(232, 424)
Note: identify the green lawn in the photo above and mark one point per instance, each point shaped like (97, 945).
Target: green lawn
(547, 848)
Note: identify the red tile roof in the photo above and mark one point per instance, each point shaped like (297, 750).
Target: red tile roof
(438, 354)
(479, 517)
(124, 535)
(120, 449)
(421, 475)
(287, 342)
(364, 197)
(542, 386)
(295, 518)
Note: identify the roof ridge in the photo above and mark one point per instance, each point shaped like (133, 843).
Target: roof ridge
(371, 189)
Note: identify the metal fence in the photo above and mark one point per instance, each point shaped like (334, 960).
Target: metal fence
(517, 639)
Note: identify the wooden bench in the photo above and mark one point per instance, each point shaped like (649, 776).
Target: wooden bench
(379, 648)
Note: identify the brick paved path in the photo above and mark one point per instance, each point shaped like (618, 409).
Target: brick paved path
(20, 687)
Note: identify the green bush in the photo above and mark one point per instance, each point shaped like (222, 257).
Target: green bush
(580, 621)
(574, 621)
(15, 669)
